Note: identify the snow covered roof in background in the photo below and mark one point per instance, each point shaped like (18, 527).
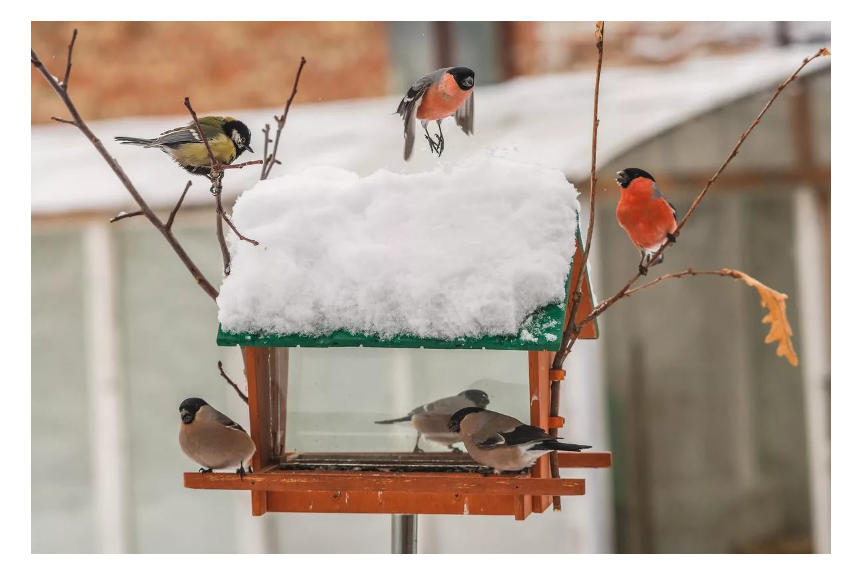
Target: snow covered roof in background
(545, 120)
(462, 251)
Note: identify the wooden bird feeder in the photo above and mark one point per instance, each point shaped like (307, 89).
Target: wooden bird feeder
(358, 482)
(389, 481)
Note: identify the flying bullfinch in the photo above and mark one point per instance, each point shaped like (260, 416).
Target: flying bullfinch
(211, 438)
(645, 214)
(436, 96)
(503, 442)
(432, 419)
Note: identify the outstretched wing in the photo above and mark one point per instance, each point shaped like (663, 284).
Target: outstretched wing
(464, 115)
(410, 102)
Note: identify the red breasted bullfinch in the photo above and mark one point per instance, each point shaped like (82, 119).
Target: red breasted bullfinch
(436, 96)
(645, 214)
(432, 419)
(503, 442)
(211, 438)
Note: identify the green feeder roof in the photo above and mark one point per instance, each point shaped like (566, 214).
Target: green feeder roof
(405, 260)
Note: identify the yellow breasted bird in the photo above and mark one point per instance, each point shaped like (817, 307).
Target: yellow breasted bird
(227, 137)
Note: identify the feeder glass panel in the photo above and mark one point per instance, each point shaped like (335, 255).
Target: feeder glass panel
(336, 395)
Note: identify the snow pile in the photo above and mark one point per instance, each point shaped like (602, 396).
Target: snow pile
(465, 250)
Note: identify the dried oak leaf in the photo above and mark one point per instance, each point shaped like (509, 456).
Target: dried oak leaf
(776, 315)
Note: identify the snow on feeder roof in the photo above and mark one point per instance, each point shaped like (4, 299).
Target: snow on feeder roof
(471, 255)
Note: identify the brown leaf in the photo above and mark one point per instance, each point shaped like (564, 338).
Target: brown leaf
(776, 315)
(826, 52)
(600, 30)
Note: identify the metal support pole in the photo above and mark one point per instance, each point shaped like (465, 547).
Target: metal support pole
(404, 529)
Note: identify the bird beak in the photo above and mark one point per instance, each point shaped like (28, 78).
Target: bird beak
(186, 416)
(247, 147)
(469, 81)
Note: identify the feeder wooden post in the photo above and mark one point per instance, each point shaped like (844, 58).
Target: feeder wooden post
(266, 373)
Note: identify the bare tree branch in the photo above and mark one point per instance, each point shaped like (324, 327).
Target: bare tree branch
(571, 331)
(266, 141)
(124, 215)
(121, 174)
(270, 161)
(62, 121)
(604, 305)
(230, 382)
(69, 61)
(176, 209)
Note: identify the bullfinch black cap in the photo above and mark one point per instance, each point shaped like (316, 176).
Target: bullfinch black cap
(190, 407)
(465, 77)
(458, 416)
(625, 177)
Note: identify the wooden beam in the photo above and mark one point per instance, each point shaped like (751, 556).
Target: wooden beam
(540, 403)
(585, 459)
(463, 483)
(389, 503)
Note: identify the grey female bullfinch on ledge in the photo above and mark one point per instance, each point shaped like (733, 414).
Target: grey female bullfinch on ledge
(436, 96)
(212, 439)
(432, 419)
(502, 442)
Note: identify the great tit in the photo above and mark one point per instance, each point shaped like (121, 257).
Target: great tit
(227, 137)
(211, 438)
(431, 420)
(503, 442)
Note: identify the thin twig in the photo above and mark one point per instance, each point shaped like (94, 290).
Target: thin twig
(230, 382)
(571, 332)
(214, 164)
(69, 60)
(266, 142)
(233, 227)
(121, 174)
(605, 304)
(271, 161)
(176, 209)
(222, 243)
(63, 121)
(689, 272)
(125, 215)
(239, 166)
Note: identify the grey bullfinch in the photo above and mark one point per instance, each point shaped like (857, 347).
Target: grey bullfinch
(436, 96)
(432, 419)
(502, 442)
(211, 438)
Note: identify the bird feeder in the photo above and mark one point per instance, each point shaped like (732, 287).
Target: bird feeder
(385, 480)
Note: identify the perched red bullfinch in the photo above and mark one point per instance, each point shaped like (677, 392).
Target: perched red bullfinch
(436, 96)
(502, 442)
(645, 214)
(211, 438)
(432, 419)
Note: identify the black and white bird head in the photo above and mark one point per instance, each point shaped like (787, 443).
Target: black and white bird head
(456, 419)
(477, 396)
(190, 407)
(464, 77)
(240, 134)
